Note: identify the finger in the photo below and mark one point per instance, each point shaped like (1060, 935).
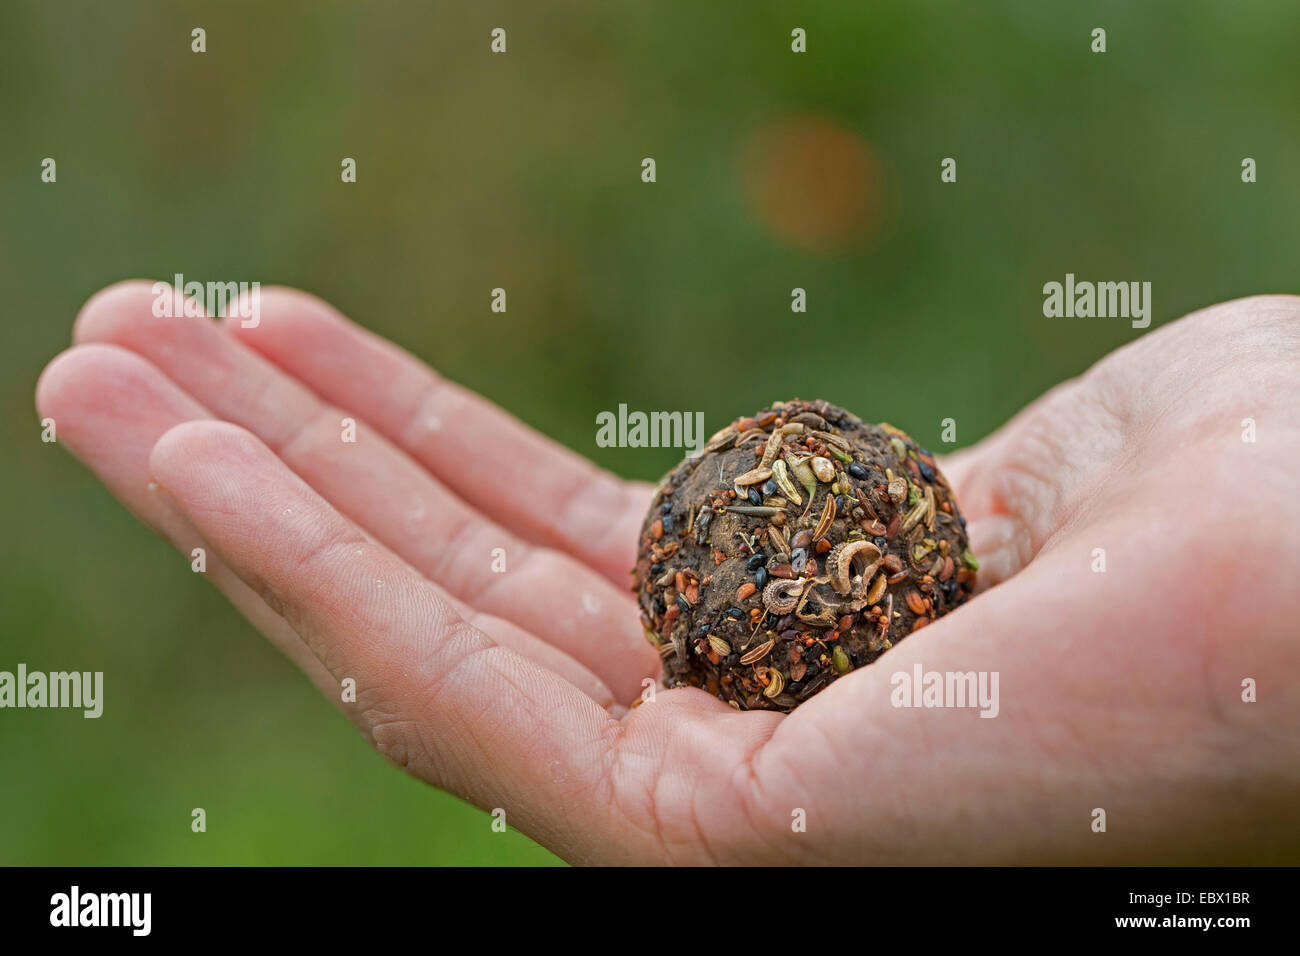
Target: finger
(111, 407)
(545, 592)
(440, 697)
(590, 513)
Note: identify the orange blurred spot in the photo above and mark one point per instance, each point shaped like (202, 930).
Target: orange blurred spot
(812, 182)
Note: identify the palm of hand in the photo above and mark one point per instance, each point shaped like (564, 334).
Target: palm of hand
(373, 561)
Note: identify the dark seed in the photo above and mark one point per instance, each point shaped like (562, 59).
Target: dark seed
(842, 504)
(666, 507)
(756, 562)
(857, 470)
(735, 613)
(881, 542)
(754, 497)
(760, 578)
(926, 471)
(794, 686)
(657, 568)
(660, 606)
(769, 488)
(703, 630)
(684, 604)
(668, 524)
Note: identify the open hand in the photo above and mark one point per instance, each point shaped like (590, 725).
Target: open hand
(371, 564)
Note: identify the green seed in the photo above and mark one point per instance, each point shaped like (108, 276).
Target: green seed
(840, 660)
(969, 559)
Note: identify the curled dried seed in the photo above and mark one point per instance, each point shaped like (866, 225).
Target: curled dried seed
(782, 596)
(720, 647)
(781, 475)
(827, 519)
(775, 683)
(721, 439)
(929, 508)
(753, 476)
(777, 537)
(760, 652)
(839, 563)
(823, 468)
(831, 439)
(877, 589)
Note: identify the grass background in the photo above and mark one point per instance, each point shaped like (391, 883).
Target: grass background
(775, 170)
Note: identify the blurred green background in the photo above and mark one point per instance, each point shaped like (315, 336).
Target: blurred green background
(775, 170)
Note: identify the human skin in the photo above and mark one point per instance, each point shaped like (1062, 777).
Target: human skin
(1120, 690)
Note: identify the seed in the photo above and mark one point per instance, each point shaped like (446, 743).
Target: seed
(827, 519)
(877, 589)
(840, 660)
(968, 558)
(753, 477)
(857, 470)
(946, 572)
(760, 652)
(802, 538)
(899, 448)
(913, 517)
(822, 468)
(769, 488)
(775, 683)
(777, 537)
(897, 490)
(915, 602)
(754, 497)
(778, 519)
(720, 647)
(781, 475)
(798, 670)
(893, 563)
(823, 546)
(782, 570)
(760, 578)
(801, 470)
(753, 511)
(845, 622)
(745, 590)
(772, 449)
(657, 529)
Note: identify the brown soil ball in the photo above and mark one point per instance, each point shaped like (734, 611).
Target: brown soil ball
(802, 543)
